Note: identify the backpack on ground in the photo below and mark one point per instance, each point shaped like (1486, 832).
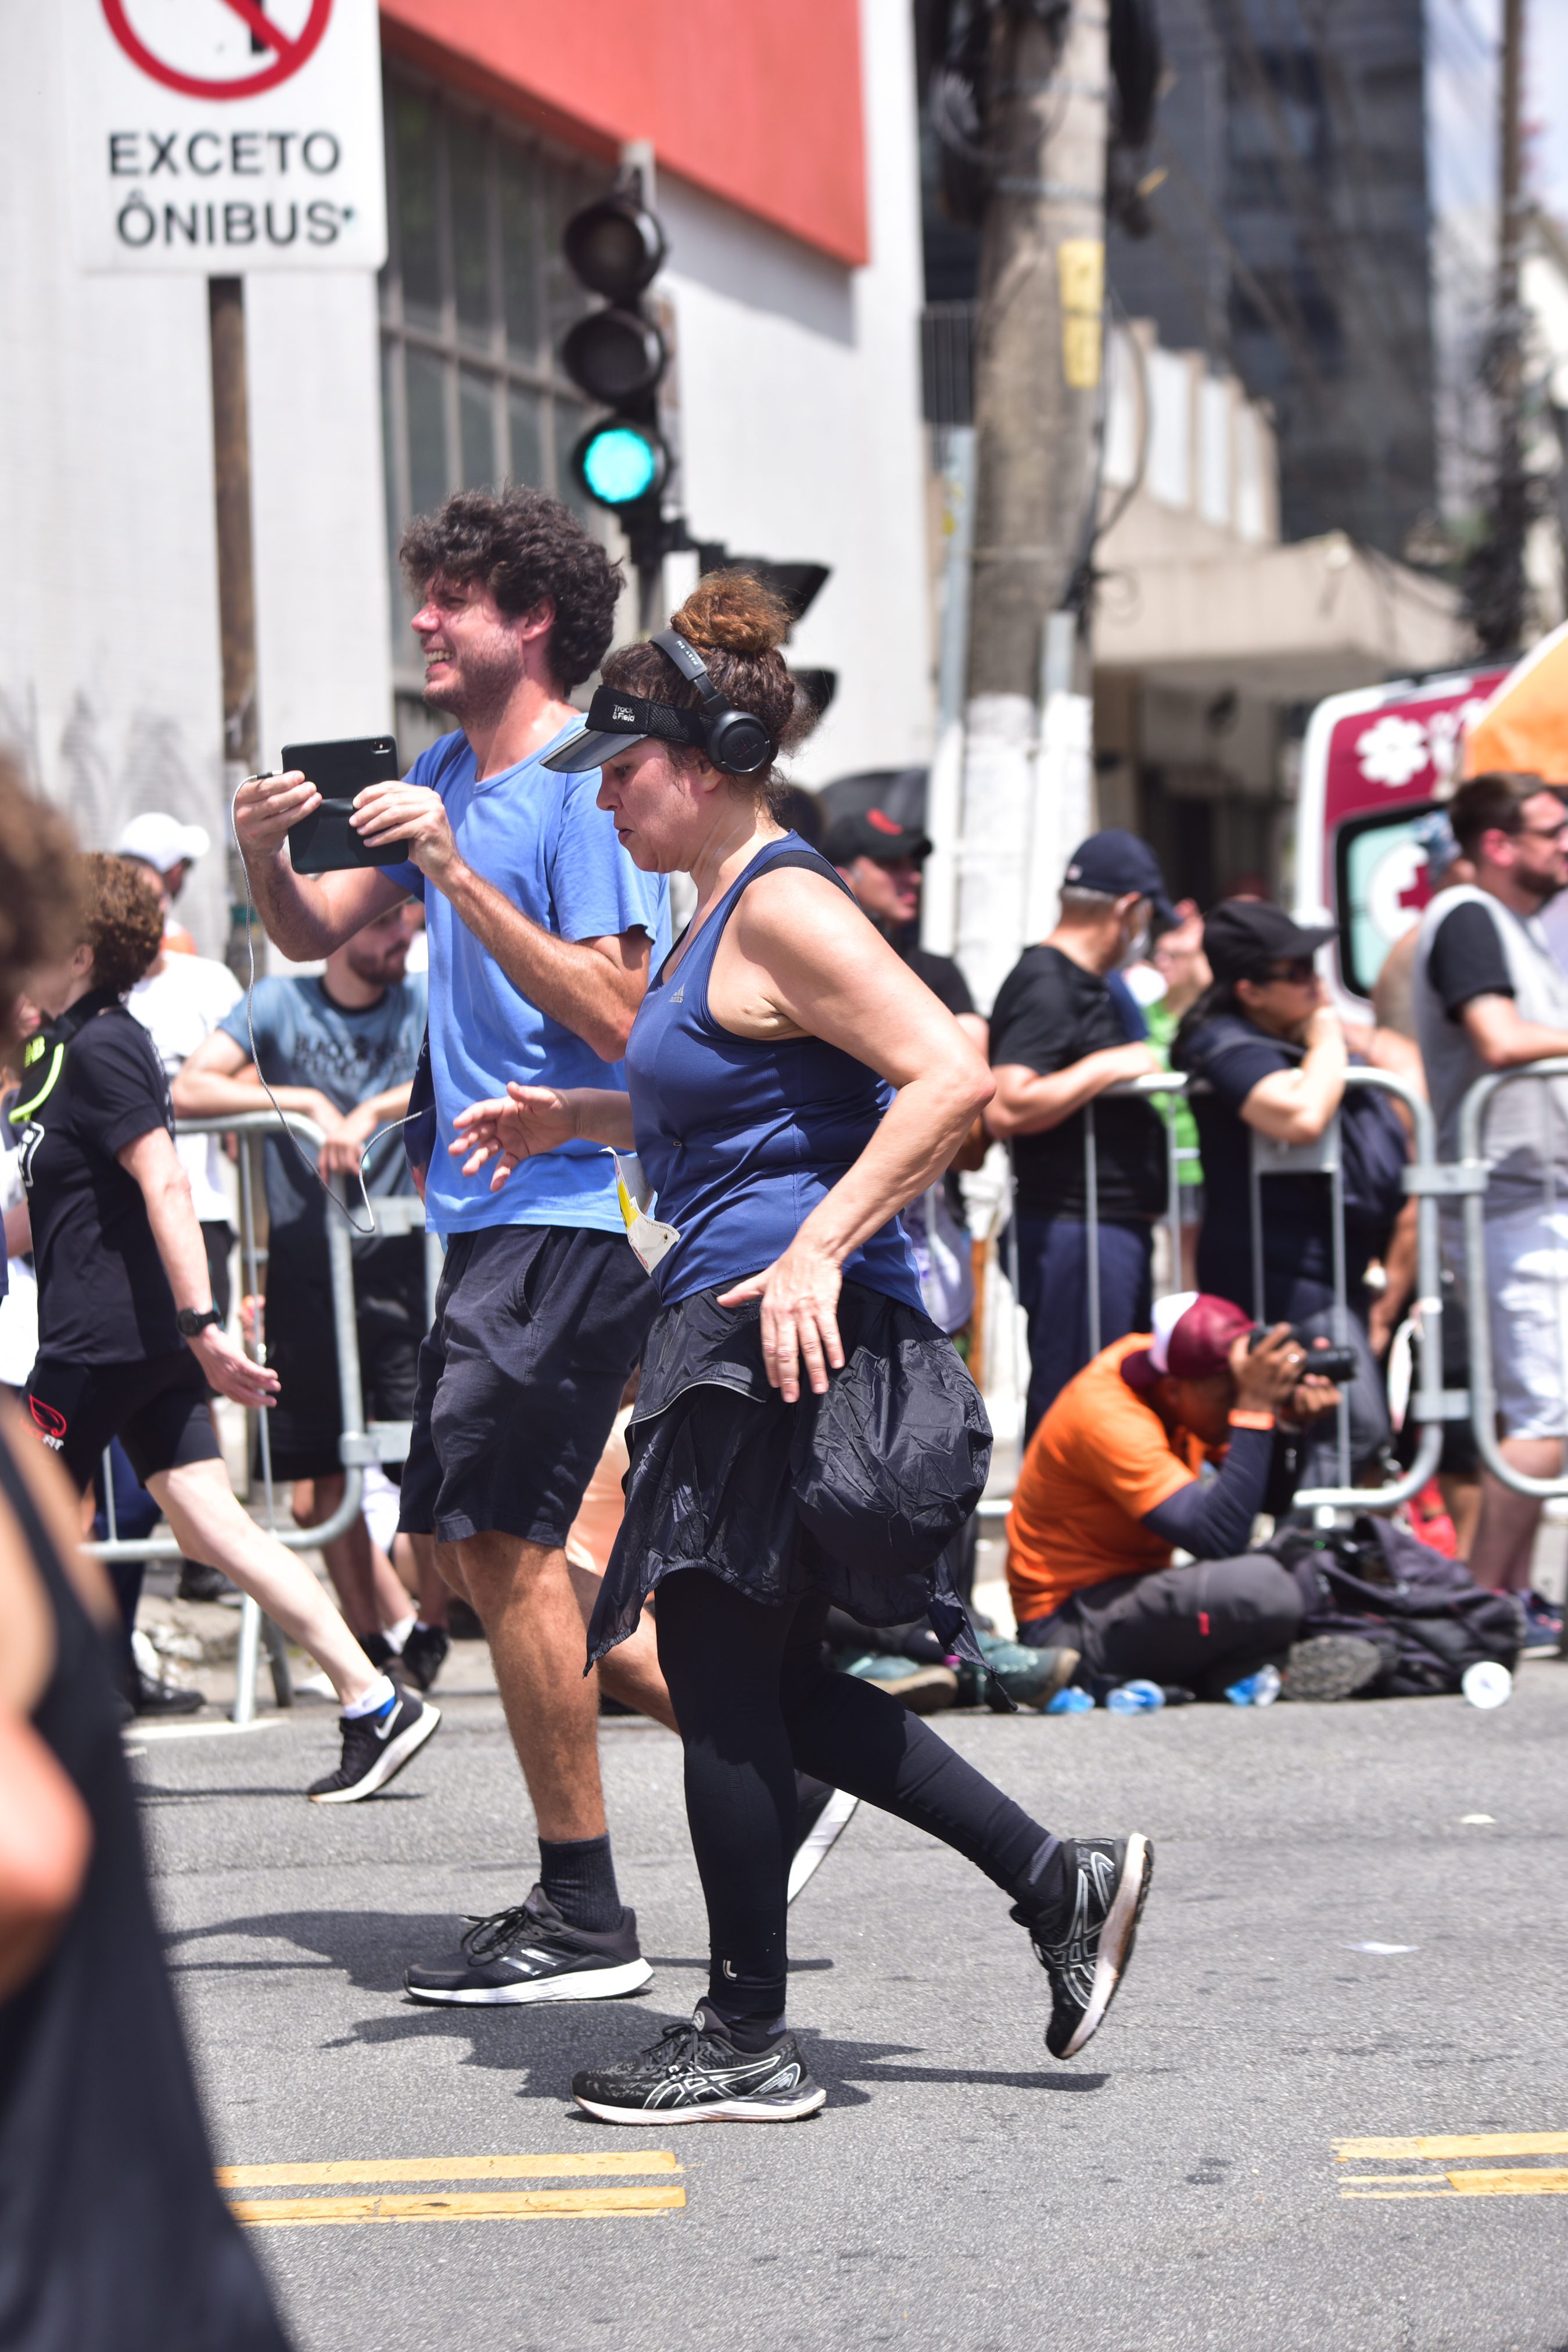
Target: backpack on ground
(1423, 1612)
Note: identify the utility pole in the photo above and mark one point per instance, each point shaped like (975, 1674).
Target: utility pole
(236, 578)
(1495, 587)
(1038, 364)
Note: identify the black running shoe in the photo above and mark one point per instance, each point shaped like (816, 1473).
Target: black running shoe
(694, 2073)
(1110, 1879)
(423, 1655)
(529, 1953)
(375, 1750)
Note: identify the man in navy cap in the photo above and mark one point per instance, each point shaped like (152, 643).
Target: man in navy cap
(1059, 1038)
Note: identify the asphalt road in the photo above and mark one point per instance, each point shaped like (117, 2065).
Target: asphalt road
(1175, 2187)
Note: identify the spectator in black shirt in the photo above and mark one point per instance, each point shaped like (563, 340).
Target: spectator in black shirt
(1273, 1054)
(1059, 1038)
(128, 1342)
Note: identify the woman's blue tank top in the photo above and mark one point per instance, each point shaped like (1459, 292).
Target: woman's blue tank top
(739, 1138)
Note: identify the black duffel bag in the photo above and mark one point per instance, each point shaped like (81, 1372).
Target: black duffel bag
(1423, 1612)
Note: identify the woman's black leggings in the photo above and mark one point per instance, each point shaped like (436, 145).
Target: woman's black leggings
(755, 1698)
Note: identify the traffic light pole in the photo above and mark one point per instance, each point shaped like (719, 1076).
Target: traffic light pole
(1037, 412)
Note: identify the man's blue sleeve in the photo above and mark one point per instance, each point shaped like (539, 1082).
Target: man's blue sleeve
(595, 889)
(1213, 1520)
(268, 1020)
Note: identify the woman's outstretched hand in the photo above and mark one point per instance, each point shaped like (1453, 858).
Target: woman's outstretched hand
(529, 1120)
(799, 1294)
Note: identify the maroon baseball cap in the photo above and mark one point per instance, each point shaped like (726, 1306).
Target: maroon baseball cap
(1192, 1338)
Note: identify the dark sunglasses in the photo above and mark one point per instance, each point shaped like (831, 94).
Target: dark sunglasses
(1298, 973)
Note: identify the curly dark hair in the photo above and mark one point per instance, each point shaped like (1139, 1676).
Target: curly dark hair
(38, 889)
(738, 624)
(120, 919)
(525, 548)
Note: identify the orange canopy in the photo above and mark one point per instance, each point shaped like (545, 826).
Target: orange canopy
(1524, 727)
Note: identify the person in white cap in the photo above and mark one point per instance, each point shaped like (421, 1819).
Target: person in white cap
(169, 850)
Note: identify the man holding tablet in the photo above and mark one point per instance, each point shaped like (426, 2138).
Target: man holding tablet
(542, 934)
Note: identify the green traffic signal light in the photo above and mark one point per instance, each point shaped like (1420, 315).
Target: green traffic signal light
(620, 463)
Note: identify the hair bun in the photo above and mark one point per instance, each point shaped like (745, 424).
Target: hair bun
(735, 611)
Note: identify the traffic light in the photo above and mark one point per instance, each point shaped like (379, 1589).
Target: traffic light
(616, 355)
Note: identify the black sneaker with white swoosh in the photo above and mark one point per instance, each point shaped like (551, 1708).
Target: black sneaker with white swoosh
(376, 1747)
(1086, 1955)
(529, 1953)
(694, 2073)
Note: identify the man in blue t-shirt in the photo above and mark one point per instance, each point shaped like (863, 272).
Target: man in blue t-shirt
(341, 1048)
(542, 934)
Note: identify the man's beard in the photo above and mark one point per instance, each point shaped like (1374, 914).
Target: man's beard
(484, 683)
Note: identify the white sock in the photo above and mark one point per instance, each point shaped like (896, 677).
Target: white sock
(381, 1693)
(398, 1634)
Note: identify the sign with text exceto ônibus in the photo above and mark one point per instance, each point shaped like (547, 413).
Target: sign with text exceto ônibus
(224, 136)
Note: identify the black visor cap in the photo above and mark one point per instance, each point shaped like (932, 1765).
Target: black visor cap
(616, 720)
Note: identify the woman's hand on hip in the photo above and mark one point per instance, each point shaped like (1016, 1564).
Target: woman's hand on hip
(799, 1294)
(528, 1120)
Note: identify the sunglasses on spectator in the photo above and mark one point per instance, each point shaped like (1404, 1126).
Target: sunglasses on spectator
(1298, 973)
(1547, 831)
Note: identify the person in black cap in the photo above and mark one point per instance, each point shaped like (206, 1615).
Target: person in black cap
(1059, 1038)
(881, 861)
(1273, 1053)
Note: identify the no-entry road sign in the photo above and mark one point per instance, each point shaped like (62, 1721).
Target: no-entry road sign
(224, 136)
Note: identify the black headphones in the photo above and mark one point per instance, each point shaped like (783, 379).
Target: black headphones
(735, 740)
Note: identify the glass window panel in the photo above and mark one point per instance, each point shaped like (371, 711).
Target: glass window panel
(413, 150)
(525, 421)
(428, 479)
(476, 414)
(570, 420)
(466, 149)
(519, 292)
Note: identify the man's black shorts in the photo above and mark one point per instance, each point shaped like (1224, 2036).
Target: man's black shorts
(305, 1425)
(157, 1407)
(537, 1328)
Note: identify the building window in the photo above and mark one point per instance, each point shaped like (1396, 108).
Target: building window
(475, 301)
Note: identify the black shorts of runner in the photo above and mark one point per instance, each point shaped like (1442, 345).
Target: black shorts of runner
(157, 1407)
(537, 1328)
(305, 1425)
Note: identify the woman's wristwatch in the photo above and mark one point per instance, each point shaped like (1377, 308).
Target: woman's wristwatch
(190, 1323)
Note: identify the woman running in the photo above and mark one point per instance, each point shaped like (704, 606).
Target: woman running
(128, 1339)
(761, 1069)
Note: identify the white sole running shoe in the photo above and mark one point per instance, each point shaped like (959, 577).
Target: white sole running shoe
(1086, 1965)
(694, 2074)
(376, 1748)
(527, 1954)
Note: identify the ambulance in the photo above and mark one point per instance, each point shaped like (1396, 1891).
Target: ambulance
(1375, 761)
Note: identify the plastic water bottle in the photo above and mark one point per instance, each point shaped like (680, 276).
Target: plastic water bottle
(1486, 1683)
(1136, 1698)
(1260, 1689)
(1070, 1701)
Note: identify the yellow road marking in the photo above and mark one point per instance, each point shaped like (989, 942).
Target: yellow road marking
(1531, 2182)
(1458, 2144)
(271, 2212)
(445, 2167)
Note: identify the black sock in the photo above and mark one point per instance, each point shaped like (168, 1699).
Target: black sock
(1046, 1888)
(577, 1875)
(749, 2033)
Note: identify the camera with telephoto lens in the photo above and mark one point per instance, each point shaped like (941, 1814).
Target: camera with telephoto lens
(1329, 1364)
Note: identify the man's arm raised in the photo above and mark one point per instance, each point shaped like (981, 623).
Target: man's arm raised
(307, 915)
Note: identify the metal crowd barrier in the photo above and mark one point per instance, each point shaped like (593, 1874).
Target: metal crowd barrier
(1425, 1178)
(1466, 1178)
(382, 1441)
